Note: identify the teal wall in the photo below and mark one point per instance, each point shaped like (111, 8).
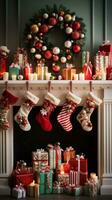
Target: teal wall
(14, 14)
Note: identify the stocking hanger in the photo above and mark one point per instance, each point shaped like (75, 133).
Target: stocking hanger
(49, 86)
(90, 85)
(27, 85)
(70, 86)
(6, 85)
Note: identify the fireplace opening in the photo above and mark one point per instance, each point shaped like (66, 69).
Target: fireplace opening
(82, 141)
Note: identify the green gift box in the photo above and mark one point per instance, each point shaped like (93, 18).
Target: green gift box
(46, 182)
(77, 191)
(14, 70)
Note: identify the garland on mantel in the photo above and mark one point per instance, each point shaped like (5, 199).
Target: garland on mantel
(36, 36)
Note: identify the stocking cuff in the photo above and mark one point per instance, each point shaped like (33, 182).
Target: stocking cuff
(54, 100)
(32, 97)
(10, 97)
(72, 97)
(97, 100)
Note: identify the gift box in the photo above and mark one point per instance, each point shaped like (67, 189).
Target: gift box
(19, 192)
(57, 188)
(74, 178)
(14, 70)
(63, 179)
(46, 182)
(39, 157)
(77, 191)
(80, 165)
(24, 179)
(33, 190)
(52, 156)
(105, 48)
(68, 154)
(68, 73)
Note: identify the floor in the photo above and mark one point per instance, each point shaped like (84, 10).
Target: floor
(60, 197)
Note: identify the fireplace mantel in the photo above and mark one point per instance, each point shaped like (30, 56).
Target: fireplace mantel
(59, 88)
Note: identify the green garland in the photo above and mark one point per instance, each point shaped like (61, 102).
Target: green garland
(37, 41)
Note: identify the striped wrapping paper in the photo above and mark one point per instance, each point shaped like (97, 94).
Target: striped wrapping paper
(74, 178)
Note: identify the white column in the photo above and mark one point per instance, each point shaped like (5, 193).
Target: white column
(106, 187)
(6, 156)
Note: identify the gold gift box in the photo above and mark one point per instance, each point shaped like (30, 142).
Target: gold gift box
(33, 190)
(68, 73)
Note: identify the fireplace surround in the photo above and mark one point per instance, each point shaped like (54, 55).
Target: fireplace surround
(102, 89)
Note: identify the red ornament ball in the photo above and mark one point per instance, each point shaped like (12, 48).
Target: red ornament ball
(48, 54)
(52, 21)
(69, 57)
(76, 25)
(55, 68)
(76, 48)
(75, 35)
(44, 28)
(38, 45)
(55, 58)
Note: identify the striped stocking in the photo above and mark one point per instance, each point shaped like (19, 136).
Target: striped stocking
(67, 109)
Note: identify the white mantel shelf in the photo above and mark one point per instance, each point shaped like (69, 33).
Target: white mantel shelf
(103, 89)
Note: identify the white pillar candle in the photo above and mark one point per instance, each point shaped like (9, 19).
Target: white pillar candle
(35, 77)
(75, 76)
(48, 75)
(5, 76)
(81, 76)
(30, 76)
(13, 77)
(103, 75)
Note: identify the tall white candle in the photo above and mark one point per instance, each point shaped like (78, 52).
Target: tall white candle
(13, 77)
(75, 76)
(81, 76)
(35, 77)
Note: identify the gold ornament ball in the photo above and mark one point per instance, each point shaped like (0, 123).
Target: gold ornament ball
(68, 17)
(34, 28)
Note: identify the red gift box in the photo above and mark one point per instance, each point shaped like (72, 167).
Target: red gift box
(105, 48)
(24, 179)
(87, 70)
(80, 165)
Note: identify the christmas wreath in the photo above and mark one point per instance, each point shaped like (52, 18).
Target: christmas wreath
(36, 35)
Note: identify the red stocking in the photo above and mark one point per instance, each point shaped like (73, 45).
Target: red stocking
(50, 103)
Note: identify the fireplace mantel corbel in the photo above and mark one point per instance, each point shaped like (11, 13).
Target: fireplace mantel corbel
(59, 88)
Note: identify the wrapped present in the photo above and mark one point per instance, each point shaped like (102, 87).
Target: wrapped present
(41, 70)
(46, 182)
(39, 158)
(80, 164)
(14, 69)
(58, 150)
(68, 154)
(66, 167)
(22, 168)
(19, 192)
(52, 156)
(57, 188)
(68, 73)
(24, 179)
(74, 178)
(33, 190)
(77, 191)
(105, 48)
(87, 70)
(63, 179)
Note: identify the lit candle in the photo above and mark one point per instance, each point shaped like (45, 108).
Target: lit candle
(75, 76)
(30, 76)
(48, 75)
(5, 76)
(13, 77)
(103, 76)
(81, 76)
(35, 77)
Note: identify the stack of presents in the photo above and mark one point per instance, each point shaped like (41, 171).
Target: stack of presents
(49, 175)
